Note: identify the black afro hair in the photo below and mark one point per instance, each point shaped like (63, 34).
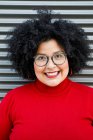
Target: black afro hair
(28, 35)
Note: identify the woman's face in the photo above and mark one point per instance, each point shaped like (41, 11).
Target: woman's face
(51, 74)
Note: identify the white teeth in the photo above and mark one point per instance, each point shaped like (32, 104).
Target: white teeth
(52, 74)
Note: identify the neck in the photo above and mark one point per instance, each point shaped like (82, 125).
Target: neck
(53, 91)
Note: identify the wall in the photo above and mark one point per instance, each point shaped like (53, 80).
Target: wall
(13, 13)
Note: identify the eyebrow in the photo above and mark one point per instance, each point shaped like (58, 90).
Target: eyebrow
(46, 54)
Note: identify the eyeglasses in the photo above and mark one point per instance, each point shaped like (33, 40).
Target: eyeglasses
(58, 58)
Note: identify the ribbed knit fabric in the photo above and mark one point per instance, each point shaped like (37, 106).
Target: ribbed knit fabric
(39, 112)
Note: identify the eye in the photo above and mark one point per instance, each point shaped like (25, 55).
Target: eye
(41, 58)
(59, 56)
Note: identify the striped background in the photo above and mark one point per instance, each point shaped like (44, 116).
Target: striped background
(13, 13)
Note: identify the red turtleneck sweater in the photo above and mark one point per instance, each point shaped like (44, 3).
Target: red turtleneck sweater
(38, 112)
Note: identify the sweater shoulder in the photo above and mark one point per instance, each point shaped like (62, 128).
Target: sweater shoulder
(16, 95)
(82, 87)
(21, 89)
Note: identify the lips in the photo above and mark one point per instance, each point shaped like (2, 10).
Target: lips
(52, 74)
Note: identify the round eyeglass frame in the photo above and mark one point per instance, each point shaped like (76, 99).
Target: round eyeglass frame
(51, 59)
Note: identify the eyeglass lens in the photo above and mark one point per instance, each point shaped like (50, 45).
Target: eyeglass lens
(58, 58)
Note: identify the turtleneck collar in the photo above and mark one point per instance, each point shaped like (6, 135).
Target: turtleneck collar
(60, 89)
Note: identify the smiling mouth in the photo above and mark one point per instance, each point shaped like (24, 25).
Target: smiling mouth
(52, 74)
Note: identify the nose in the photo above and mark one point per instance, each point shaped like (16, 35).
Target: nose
(50, 63)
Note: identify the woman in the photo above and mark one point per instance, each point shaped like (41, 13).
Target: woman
(51, 107)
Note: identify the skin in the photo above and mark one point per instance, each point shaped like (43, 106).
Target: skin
(49, 48)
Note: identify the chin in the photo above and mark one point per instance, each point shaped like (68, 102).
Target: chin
(53, 83)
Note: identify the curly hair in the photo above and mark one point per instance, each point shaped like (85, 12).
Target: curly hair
(27, 37)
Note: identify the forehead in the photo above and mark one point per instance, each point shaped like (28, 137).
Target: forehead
(49, 47)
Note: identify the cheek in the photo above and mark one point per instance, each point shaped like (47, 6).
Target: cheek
(64, 67)
(38, 70)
